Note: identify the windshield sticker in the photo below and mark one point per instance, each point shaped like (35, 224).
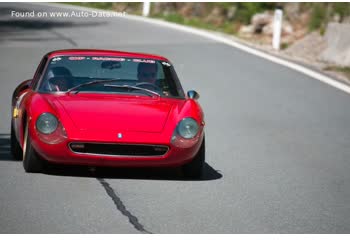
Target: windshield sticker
(56, 59)
(76, 58)
(166, 64)
(143, 60)
(108, 59)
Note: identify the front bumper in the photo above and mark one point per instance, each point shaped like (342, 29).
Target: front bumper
(62, 154)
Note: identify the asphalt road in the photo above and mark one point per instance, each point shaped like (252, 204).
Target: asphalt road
(278, 158)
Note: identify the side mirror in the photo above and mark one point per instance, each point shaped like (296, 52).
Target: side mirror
(192, 94)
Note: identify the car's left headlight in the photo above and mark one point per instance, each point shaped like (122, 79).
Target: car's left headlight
(186, 133)
(187, 128)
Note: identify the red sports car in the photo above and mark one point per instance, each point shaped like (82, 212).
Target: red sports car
(107, 108)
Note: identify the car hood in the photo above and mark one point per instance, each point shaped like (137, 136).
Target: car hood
(109, 113)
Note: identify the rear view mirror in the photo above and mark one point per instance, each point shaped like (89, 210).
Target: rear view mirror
(192, 94)
(110, 65)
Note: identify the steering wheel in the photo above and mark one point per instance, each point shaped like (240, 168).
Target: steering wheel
(155, 87)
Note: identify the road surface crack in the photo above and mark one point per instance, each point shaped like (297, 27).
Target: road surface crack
(121, 207)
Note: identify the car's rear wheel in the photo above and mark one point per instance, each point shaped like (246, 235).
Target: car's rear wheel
(16, 149)
(195, 168)
(32, 163)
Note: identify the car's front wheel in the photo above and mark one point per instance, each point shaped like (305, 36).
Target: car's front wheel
(195, 168)
(32, 163)
(16, 149)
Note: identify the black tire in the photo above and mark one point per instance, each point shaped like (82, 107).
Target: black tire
(16, 149)
(32, 163)
(195, 168)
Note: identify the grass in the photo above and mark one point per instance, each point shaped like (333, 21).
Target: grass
(284, 46)
(344, 70)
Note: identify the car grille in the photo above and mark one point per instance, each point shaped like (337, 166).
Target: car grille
(119, 149)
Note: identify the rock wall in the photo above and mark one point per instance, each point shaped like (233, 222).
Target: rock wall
(337, 51)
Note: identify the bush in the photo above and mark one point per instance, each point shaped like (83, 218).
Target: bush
(318, 17)
(245, 10)
(341, 8)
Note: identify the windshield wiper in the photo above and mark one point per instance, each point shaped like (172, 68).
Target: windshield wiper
(150, 92)
(96, 81)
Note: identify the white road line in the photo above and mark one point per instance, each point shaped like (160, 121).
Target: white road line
(311, 73)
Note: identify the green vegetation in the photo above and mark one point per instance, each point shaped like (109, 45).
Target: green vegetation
(245, 10)
(284, 46)
(173, 17)
(341, 8)
(345, 70)
(322, 13)
(318, 17)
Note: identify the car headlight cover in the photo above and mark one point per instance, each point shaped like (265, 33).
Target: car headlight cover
(188, 128)
(46, 123)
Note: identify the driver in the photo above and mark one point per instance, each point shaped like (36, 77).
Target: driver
(147, 72)
(57, 79)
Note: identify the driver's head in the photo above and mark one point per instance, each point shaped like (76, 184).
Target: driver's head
(147, 72)
(57, 78)
(59, 72)
(59, 84)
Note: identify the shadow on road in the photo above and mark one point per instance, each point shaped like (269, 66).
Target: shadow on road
(170, 174)
(111, 173)
(5, 154)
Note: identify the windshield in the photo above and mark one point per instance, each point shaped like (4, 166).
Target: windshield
(67, 73)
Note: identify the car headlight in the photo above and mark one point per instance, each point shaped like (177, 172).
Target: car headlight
(46, 123)
(187, 128)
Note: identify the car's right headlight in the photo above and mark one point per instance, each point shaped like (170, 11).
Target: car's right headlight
(49, 129)
(46, 123)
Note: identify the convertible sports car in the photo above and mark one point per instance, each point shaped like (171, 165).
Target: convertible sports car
(107, 108)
